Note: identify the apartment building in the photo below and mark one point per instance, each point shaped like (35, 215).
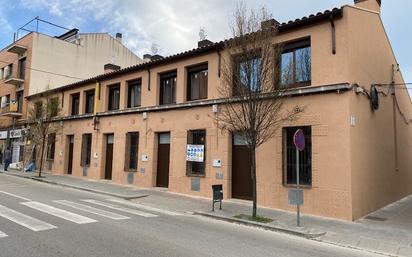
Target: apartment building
(135, 125)
(39, 62)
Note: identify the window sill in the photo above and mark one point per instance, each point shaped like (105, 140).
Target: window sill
(131, 170)
(85, 166)
(300, 186)
(296, 85)
(196, 175)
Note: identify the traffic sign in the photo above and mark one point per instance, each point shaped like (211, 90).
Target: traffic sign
(299, 140)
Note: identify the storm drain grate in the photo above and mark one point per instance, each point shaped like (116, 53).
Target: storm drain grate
(375, 218)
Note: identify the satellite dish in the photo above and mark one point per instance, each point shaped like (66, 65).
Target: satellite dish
(374, 98)
(202, 34)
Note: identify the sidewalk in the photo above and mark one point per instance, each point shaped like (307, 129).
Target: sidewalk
(387, 231)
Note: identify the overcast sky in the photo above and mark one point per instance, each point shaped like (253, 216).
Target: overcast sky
(174, 24)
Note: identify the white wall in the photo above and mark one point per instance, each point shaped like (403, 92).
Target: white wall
(76, 61)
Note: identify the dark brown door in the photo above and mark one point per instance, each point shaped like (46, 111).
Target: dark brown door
(241, 163)
(163, 157)
(70, 157)
(109, 157)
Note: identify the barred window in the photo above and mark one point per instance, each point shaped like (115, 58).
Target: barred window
(289, 157)
(86, 150)
(51, 145)
(196, 137)
(132, 151)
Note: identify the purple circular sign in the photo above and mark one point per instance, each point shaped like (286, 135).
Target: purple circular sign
(299, 140)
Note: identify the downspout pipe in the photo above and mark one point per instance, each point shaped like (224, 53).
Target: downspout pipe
(333, 33)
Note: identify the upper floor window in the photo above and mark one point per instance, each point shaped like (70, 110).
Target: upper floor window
(22, 68)
(38, 109)
(289, 157)
(2, 73)
(75, 102)
(168, 88)
(114, 98)
(8, 71)
(197, 83)
(89, 104)
(295, 64)
(54, 106)
(247, 74)
(19, 100)
(134, 93)
(5, 101)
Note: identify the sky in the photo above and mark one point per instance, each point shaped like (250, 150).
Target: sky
(173, 25)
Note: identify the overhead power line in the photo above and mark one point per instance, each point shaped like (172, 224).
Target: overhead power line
(52, 73)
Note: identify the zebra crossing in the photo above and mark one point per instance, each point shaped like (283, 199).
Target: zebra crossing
(113, 209)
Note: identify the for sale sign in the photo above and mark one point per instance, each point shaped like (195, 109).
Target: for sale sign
(195, 153)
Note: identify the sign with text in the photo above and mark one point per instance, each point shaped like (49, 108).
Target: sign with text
(195, 153)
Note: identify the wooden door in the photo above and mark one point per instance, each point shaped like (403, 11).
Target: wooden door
(163, 159)
(241, 164)
(70, 155)
(109, 156)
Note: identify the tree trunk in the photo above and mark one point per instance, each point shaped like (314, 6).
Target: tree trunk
(41, 157)
(254, 183)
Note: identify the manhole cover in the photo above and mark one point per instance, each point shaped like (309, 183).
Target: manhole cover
(375, 218)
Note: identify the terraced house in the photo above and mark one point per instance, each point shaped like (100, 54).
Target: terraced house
(133, 125)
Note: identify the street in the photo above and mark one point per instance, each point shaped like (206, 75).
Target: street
(43, 220)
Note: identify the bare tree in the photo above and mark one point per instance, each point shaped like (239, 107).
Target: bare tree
(41, 124)
(252, 98)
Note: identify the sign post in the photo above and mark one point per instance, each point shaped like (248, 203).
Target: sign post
(299, 141)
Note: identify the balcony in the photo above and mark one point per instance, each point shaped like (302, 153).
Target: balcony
(14, 81)
(10, 110)
(17, 49)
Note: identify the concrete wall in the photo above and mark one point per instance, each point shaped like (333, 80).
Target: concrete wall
(74, 61)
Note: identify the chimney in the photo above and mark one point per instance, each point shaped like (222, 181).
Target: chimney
(269, 24)
(109, 67)
(204, 42)
(149, 57)
(119, 37)
(373, 5)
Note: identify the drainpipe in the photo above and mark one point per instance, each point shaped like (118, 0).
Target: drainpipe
(333, 30)
(96, 105)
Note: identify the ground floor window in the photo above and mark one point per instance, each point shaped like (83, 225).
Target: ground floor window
(86, 150)
(51, 145)
(289, 157)
(132, 151)
(197, 139)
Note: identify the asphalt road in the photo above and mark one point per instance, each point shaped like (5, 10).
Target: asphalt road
(41, 220)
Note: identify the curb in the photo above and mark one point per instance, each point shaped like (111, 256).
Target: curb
(125, 197)
(308, 234)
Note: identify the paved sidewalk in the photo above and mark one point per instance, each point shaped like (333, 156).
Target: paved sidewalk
(387, 231)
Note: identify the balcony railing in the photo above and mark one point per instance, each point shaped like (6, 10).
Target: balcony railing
(10, 79)
(10, 110)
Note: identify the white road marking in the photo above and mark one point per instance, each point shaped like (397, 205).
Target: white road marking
(2, 234)
(20, 197)
(24, 220)
(145, 207)
(86, 208)
(123, 209)
(59, 212)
